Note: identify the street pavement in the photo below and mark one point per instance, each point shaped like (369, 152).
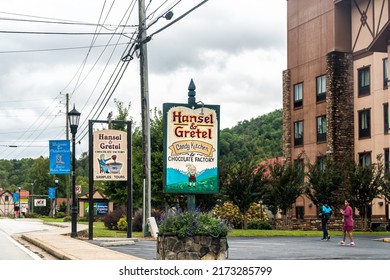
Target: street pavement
(12, 250)
(368, 247)
(55, 239)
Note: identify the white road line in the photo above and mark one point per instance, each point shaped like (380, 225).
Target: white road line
(28, 252)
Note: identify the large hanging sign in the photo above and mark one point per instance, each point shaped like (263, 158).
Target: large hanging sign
(191, 148)
(59, 156)
(110, 155)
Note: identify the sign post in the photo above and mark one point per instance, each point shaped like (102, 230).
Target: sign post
(191, 147)
(110, 160)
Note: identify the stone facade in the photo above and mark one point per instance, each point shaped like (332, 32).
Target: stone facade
(340, 107)
(200, 247)
(287, 124)
(335, 223)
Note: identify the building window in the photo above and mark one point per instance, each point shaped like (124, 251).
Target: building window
(321, 163)
(321, 88)
(321, 128)
(385, 73)
(298, 133)
(364, 124)
(364, 81)
(365, 159)
(387, 159)
(6, 198)
(298, 95)
(386, 118)
(300, 212)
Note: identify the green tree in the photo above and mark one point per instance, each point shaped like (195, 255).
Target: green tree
(243, 183)
(261, 136)
(365, 183)
(39, 174)
(385, 189)
(285, 185)
(323, 182)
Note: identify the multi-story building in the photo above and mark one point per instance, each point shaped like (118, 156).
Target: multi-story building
(335, 89)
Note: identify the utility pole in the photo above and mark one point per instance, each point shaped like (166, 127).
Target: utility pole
(146, 154)
(68, 175)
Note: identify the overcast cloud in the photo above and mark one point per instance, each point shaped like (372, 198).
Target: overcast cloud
(234, 50)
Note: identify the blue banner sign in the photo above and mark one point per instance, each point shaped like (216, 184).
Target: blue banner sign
(59, 156)
(15, 197)
(52, 193)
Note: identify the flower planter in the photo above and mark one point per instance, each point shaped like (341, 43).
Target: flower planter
(199, 247)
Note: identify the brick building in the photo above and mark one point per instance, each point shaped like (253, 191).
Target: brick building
(335, 87)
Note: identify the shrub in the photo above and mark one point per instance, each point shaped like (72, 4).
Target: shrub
(112, 218)
(380, 229)
(33, 215)
(259, 225)
(122, 224)
(230, 212)
(83, 219)
(137, 221)
(60, 215)
(67, 219)
(137, 218)
(62, 207)
(192, 223)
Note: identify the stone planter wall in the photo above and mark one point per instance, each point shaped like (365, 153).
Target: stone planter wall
(200, 247)
(335, 223)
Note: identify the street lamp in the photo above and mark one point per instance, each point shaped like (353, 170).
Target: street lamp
(74, 118)
(55, 197)
(19, 188)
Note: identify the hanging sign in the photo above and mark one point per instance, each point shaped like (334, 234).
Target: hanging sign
(15, 197)
(59, 156)
(191, 148)
(110, 155)
(40, 202)
(52, 192)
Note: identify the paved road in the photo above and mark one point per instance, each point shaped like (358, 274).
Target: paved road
(10, 249)
(368, 247)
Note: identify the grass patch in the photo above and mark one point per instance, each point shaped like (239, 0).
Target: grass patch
(298, 233)
(99, 230)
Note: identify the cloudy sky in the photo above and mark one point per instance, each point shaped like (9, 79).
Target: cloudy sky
(234, 50)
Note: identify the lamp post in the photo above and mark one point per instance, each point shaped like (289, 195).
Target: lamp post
(74, 118)
(55, 197)
(19, 188)
(32, 198)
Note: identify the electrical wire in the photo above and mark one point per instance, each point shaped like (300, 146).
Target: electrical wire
(105, 97)
(116, 76)
(62, 49)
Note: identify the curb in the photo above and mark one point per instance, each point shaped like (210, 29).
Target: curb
(51, 250)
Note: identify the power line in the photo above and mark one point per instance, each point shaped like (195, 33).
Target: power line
(61, 33)
(61, 49)
(106, 26)
(113, 82)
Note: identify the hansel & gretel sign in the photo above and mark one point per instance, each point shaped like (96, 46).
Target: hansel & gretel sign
(110, 155)
(191, 148)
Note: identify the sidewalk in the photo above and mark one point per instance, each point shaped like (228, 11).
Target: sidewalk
(58, 243)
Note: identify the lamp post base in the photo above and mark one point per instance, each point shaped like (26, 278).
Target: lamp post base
(74, 222)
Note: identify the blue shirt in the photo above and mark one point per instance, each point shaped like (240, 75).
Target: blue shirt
(326, 209)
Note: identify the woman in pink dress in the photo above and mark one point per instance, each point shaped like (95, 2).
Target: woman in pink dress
(348, 223)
